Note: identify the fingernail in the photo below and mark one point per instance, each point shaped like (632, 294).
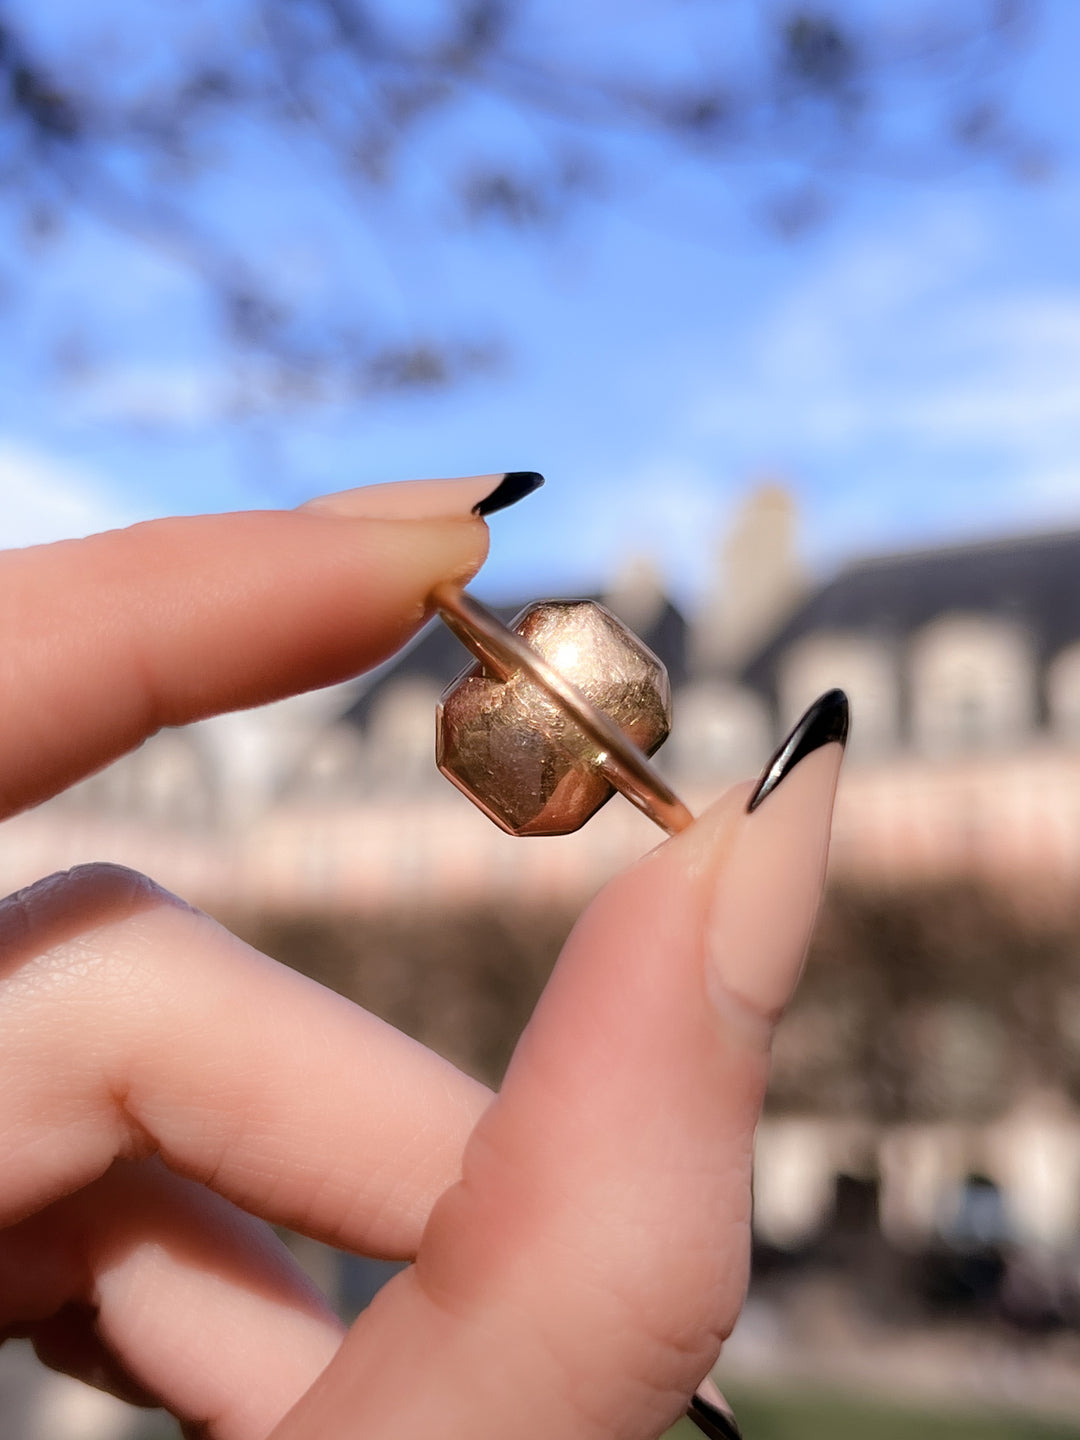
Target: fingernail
(712, 1415)
(827, 719)
(769, 889)
(513, 486)
(479, 495)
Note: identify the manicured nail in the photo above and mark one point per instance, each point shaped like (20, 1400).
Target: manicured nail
(513, 486)
(712, 1419)
(827, 719)
(770, 884)
(478, 495)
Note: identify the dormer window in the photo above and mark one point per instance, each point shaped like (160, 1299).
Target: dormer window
(720, 731)
(863, 665)
(972, 684)
(400, 734)
(1063, 693)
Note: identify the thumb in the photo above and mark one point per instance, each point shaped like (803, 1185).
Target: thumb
(580, 1278)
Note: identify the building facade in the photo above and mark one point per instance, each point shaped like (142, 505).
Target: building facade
(963, 668)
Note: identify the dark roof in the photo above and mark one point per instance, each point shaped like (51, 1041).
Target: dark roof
(1033, 580)
(437, 655)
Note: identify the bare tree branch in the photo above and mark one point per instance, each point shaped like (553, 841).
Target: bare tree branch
(378, 95)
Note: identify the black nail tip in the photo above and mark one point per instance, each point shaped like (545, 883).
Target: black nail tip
(828, 719)
(712, 1421)
(513, 486)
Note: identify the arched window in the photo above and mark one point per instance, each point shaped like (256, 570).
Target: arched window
(793, 1180)
(172, 780)
(719, 731)
(972, 684)
(168, 780)
(401, 735)
(1063, 693)
(862, 666)
(332, 769)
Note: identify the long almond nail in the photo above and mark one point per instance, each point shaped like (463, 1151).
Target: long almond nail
(828, 719)
(769, 889)
(712, 1414)
(479, 495)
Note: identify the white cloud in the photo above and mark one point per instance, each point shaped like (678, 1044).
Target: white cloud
(918, 386)
(144, 395)
(887, 344)
(1012, 377)
(667, 510)
(43, 499)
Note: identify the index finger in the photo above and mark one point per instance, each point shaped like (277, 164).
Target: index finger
(105, 640)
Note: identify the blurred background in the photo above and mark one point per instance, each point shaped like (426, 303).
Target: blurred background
(784, 299)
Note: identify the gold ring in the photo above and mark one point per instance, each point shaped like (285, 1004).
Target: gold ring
(506, 654)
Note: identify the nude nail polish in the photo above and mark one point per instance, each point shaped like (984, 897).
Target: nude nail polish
(769, 887)
(479, 495)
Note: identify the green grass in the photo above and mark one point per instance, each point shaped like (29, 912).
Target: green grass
(822, 1417)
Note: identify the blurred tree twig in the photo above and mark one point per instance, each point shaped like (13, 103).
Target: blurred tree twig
(493, 113)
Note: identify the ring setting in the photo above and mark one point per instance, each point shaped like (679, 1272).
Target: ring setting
(562, 708)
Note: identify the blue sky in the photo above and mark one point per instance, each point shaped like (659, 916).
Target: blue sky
(911, 368)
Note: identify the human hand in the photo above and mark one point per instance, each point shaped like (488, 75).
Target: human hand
(581, 1251)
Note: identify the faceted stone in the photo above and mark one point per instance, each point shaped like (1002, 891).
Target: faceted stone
(514, 751)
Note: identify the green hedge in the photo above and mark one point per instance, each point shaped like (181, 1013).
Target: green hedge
(822, 1417)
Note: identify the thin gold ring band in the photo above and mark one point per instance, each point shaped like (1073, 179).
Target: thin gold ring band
(506, 653)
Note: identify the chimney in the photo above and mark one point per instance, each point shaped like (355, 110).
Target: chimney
(637, 594)
(757, 582)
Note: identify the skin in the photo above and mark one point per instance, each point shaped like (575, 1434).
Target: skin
(581, 1240)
